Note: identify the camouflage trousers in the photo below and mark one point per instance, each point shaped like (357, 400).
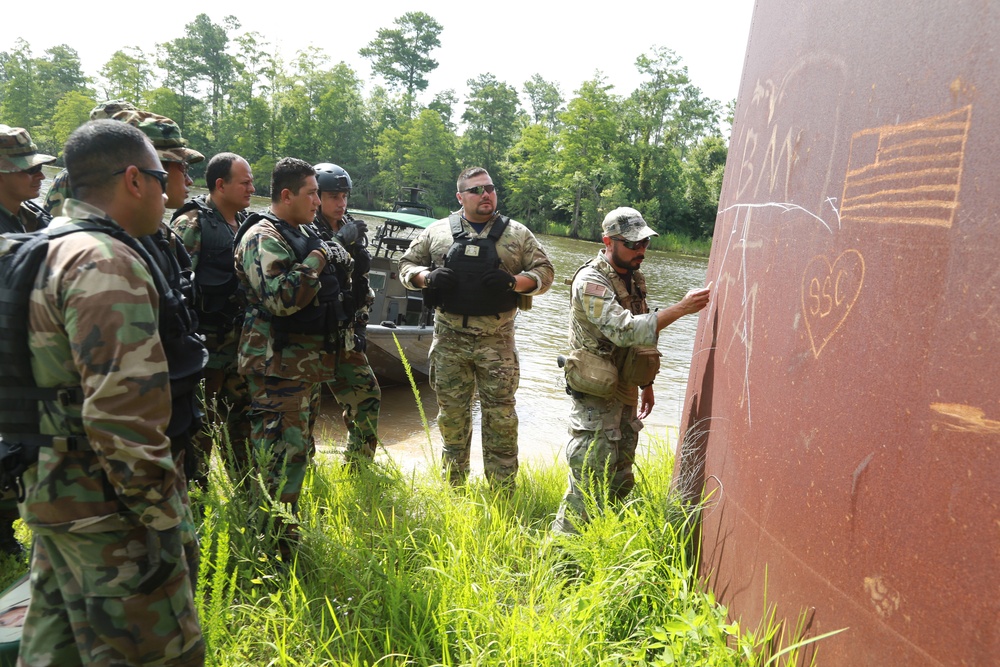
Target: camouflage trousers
(460, 364)
(282, 415)
(99, 599)
(359, 396)
(227, 403)
(604, 434)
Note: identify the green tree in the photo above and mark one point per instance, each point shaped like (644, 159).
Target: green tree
(586, 143)
(19, 99)
(444, 104)
(492, 115)
(545, 99)
(429, 158)
(127, 75)
(529, 171)
(401, 55)
(72, 110)
(208, 42)
(60, 72)
(703, 170)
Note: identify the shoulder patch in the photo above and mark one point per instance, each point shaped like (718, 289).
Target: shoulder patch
(595, 289)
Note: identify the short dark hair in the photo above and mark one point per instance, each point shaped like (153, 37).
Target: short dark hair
(99, 148)
(220, 166)
(467, 174)
(289, 173)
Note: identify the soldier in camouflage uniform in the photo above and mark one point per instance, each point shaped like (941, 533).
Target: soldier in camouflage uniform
(295, 325)
(478, 281)
(220, 304)
(59, 190)
(609, 318)
(20, 179)
(354, 385)
(115, 558)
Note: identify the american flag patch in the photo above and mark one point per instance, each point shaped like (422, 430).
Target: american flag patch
(595, 289)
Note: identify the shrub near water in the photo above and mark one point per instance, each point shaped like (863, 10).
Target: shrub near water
(403, 570)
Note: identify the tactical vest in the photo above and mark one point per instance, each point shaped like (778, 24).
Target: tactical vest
(219, 302)
(19, 395)
(470, 258)
(358, 252)
(333, 306)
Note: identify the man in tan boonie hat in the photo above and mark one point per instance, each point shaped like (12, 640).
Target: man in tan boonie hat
(20, 181)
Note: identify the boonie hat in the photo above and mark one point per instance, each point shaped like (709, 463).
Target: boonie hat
(163, 132)
(18, 152)
(110, 108)
(627, 223)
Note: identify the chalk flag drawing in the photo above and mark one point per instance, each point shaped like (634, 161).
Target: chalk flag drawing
(828, 294)
(909, 173)
(967, 418)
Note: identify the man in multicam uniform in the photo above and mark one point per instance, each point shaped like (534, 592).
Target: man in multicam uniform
(354, 385)
(115, 557)
(294, 327)
(20, 179)
(207, 226)
(608, 318)
(478, 281)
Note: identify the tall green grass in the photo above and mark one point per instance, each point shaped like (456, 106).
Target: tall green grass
(402, 569)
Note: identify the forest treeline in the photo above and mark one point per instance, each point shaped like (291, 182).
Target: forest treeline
(555, 158)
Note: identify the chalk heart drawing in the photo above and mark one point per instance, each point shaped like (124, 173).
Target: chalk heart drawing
(829, 291)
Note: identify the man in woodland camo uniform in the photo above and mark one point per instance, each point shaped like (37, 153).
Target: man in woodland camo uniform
(115, 558)
(613, 336)
(298, 322)
(478, 266)
(207, 226)
(354, 385)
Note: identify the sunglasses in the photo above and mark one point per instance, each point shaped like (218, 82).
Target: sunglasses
(480, 189)
(632, 245)
(33, 171)
(158, 174)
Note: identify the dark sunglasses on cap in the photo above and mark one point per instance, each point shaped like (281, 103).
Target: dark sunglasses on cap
(632, 245)
(480, 189)
(158, 174)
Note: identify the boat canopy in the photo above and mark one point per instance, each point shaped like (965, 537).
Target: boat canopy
(403, 219)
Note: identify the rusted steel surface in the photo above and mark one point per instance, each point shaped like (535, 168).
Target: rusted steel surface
(843, 408)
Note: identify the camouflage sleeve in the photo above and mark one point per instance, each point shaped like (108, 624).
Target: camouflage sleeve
(57, 194)
(535, 263)
(188, 228)
(417, 258)
(107, 305)
(595, 308)
(281, 284)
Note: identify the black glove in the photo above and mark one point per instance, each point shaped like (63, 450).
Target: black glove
(316, 243)
(349, 233)
(442, 279)
(498, 280)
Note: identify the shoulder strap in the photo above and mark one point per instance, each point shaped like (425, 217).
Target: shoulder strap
(195, 203)
(457, 231)
(498, 228)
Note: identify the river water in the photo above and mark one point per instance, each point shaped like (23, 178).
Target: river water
(542, 403)
(541, 335)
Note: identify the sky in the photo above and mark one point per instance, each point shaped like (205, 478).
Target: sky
(566, 43)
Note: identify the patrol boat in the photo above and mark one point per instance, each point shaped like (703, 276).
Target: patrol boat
(397, 314)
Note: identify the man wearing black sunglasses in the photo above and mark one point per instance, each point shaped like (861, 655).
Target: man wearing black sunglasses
(20, 181)
(611, 367)
(477, 267)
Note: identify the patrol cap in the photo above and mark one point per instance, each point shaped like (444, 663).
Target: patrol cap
(163, 132)
(627, 223)
(110, 108)
(18, 152)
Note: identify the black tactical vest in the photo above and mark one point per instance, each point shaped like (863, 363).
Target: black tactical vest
(219, 303)
(12, 225)
(470, 258)
(19, 395)
(326, 314)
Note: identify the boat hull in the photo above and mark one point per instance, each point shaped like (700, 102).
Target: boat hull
(384, 357)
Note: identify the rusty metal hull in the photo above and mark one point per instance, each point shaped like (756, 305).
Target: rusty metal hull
(842, 412)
